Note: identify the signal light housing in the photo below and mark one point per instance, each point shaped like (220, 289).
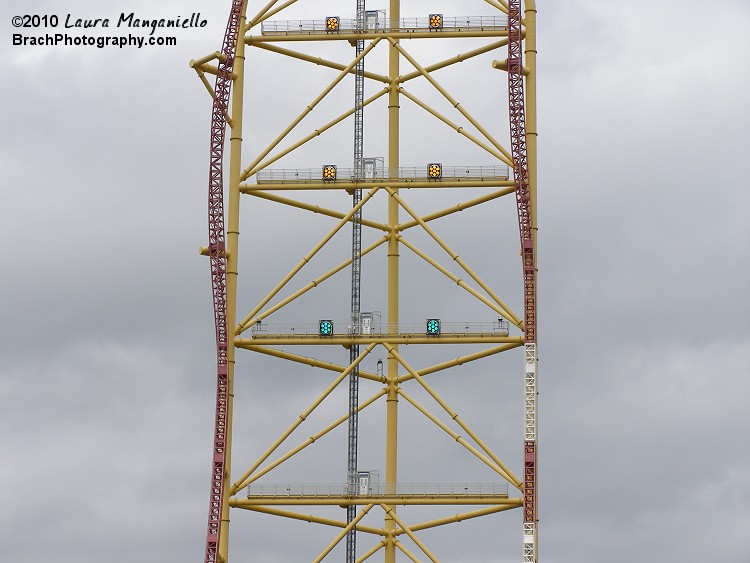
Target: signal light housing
(325, 328)
(434, 171)
(333, 23)
(436, 21)
(433, 327)
(329, 172)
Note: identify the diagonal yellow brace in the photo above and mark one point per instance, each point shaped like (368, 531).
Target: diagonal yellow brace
(312, 439)
(461, 517)
(343, 533)
(497, 309)
(264, 14)
(315, 133)
(454, 435)
(344, 220)
(453, 60)
(313, 519)
(319, 61)
(392, 513)
(242, 481)
(457, 128)
(327, 90)
(314, 208)
(365, 556)
(456, 208)
(513, 317)
(451, 99)
(459, 361)
(400, 546)
(454, 415)
(312, 362)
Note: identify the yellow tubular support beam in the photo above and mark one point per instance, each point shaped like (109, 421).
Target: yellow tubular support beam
(409, 533)
(459, 361)
(459, 517)
(367, 184)
(400, 500)
(310, 207)
(312, 362)
(309, 441)
(311, 518)
(458, 281)
(364, 340)
(453, 101)
(426, 34)
(247, 322)
(516, 321)
(503, 65)
(499, 155)
(343, 533)
(216, 55)
(300, 419)
(365, 556)
(402, 549)
(261, 17)
(317, 60)
(454, 415)
(263, 11)
(454, 435)
(453, 60)
(313, 252)
(315, 133)
(327, 90)
(210, 69)
(456, 208)
(501, 5)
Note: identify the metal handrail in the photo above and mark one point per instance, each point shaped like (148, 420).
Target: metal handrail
(378, 489)
(500, 172)
(458, 23)
(495, 328)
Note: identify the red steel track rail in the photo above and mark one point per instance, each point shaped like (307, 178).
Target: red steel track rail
(525, 221)
(217, 253)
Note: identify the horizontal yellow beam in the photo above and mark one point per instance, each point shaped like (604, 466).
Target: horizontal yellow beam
(204, 251)
(216, 55)
(402, 500)
(210, 69)
(365, 184)
(503, 65)
(280, 340)
(426, 34)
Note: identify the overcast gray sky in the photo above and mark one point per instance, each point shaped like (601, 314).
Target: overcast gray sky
(106, 338)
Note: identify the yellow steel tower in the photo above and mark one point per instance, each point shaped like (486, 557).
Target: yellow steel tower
(468, 324)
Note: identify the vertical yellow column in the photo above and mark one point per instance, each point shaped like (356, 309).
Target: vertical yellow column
(391, 447)
(233, 231)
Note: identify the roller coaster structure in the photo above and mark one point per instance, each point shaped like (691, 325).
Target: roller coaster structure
(510, 27)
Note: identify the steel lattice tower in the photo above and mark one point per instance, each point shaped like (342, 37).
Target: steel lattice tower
(509, 32)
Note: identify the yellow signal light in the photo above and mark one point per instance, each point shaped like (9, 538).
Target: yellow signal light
(436, 21)
(329, 172)
(435, 170)
(332, 23)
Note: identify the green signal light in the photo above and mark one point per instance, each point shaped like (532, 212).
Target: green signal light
(325, 328)
(433, 327)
